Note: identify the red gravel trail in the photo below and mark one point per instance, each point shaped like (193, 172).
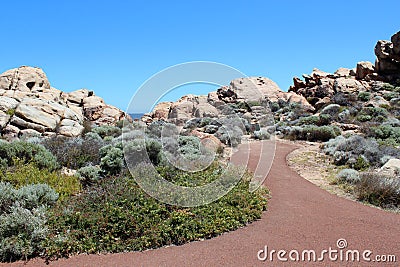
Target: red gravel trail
(300, 217)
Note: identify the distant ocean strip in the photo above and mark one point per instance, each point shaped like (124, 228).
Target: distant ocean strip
(136, 115)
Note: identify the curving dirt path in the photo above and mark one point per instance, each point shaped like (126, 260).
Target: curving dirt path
(300, 217)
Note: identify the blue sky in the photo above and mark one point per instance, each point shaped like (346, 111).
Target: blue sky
(112, 47)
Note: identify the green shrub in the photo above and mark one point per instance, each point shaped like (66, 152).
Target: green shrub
(361, 163)
(321, 120)
(153, 150)
(374, 111)
(391, 95)
(75, 152)
(274, 106)
(154, 129)
(386, 132)
(364, 118)
(262, 134)
(107, 130)
(379, 190)
(309, 120)
(390, 87)
(116, 215)
(24, 174)
(187, 152)
(23, 216)
(347, 151)
(27, 152)
(10, 112)
(364, 96)
(205, 121)
(313, 133)
(88, 175)
(112, 161)
(350, 176)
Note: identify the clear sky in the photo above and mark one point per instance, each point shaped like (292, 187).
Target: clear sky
(112, 47)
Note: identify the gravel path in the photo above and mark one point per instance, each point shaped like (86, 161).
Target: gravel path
(300, 217)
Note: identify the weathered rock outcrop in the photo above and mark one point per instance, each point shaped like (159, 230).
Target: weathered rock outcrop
(251, 92)
(320, 87)
(30, 106)
(387, 53)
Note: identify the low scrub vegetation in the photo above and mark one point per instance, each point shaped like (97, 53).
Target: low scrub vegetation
(358, 152)
(378, 189)
(313, 132)
(116, 215)
(23, 220)
(60, 196)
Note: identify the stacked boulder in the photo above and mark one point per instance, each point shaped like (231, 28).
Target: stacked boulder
(388, 58)
(29, 106)
(319, 87)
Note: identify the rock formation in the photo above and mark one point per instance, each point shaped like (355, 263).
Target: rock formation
(29, 106)
(251, 92)
(388, 57)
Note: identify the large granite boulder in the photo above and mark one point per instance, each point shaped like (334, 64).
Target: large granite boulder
(388, 57)
(25, 79)
(30, 106)
(255, 90)
(205, 110)
(161, 110)
(363, 69)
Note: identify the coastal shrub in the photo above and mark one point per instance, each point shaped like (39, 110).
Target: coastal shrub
(350, 176)
(391, 95)
(88, 175)
(309, 120)
(112, 160)
(372, 112)
(75, 152)
(380, 190)
(22, 174)
(358, 152)
(192, 123)
(262, 134)
(321, 120)
(364, 118)
(107, 130)
(205, 121)
(274, 106)
(364, 96)
(211, 129)
(189, 147)
(313, 133)
(27, 152)
(23, 217)
(153, 148)
(154, 129)
(384, 132)
(230, 135)
(34, 140)
(361, 163)
(295, 111)
(116, 215)
(390, 87)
